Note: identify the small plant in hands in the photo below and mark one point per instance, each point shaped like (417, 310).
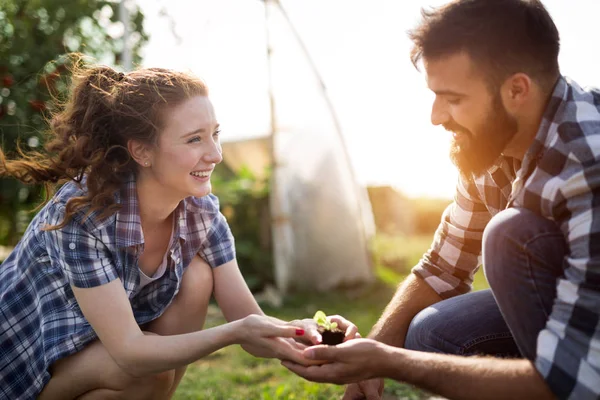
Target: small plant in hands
(329, 331)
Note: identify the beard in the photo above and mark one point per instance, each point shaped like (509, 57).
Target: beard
(478, 152)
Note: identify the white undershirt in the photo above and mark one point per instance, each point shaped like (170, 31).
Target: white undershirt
(145, 279)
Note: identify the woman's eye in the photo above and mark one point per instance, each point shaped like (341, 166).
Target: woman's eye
(194, 139)
(216, 134)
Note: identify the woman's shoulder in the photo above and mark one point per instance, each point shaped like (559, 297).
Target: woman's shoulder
(83, 218)
(58, 202)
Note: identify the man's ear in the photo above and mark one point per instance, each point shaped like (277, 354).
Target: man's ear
(516, 90)
(140, 152)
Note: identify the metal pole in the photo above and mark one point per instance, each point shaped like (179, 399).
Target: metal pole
(126, 59)
(280, 223)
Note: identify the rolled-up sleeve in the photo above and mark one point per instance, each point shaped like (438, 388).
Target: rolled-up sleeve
(449, 265)
(568, 349)
(219, 246)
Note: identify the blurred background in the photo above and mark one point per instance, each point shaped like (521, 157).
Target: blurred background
(334, 179)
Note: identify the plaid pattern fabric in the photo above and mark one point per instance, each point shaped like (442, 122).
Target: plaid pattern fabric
(40, 320)
(559, 179)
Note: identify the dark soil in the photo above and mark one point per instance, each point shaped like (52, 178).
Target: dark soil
(332, 337)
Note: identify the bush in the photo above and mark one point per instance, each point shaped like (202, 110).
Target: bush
(244, 201)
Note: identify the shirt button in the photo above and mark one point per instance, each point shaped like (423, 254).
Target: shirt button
(72, 246)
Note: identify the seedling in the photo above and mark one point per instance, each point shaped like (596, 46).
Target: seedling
(330, 333)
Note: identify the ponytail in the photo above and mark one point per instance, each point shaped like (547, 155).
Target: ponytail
(88, 137)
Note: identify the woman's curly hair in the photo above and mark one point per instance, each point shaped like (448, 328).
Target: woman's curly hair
(88, 136)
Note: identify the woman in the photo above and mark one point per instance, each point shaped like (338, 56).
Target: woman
(106, 294)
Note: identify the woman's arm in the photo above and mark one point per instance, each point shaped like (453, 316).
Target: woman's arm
(232, 293)
(108, 310)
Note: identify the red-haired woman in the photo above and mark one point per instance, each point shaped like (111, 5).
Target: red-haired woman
(106, 294)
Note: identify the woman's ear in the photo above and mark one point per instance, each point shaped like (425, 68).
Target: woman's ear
(139, 152)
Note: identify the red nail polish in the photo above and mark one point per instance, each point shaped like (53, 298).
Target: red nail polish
(299, 332)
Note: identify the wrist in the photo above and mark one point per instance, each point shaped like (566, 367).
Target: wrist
(382, 360)
(393, 339)
(397, 363)
(235, 331)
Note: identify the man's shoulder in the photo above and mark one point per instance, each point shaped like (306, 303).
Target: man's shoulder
(578, 126)
(582, 106)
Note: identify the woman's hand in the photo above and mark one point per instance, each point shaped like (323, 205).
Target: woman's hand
(268, 337)
(312, 335)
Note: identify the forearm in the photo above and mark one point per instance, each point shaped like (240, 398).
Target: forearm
(412, 296)
(232, 294)
(151, 354)
(457, 377)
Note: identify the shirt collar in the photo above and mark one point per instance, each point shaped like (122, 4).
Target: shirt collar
(129, 225)
(551, 114)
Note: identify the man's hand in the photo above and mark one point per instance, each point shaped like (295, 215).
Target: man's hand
(352, 361)
(371, 389)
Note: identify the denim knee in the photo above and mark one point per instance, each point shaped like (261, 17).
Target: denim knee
(506, 238)
(422, 335)
(496, 242)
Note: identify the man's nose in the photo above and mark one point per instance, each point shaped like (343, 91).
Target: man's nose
(439, 114)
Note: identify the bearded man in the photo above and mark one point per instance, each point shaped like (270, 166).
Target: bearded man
(527, 206)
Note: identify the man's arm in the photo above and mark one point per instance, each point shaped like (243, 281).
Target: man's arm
(454, 377)
(412, 296)
(457, 377)
(445, 271)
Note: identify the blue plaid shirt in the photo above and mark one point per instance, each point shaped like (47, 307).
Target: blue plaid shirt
(40, 320)
(559, 179)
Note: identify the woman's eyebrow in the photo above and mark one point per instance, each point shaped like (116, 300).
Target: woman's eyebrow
(200, 130)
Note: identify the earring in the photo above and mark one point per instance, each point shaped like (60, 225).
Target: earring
(145, 163)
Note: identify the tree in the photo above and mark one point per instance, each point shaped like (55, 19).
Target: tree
(35, 35)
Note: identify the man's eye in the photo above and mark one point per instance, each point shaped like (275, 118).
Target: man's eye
(454, 101)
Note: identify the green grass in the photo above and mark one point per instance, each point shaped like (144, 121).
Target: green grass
(231, 373)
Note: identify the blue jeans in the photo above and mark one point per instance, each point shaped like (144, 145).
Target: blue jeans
(522, 258)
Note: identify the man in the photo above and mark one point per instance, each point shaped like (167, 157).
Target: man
(527, 144)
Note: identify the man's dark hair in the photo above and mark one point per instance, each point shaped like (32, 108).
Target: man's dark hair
(502, 37)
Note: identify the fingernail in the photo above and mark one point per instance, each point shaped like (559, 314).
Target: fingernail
(299, 332)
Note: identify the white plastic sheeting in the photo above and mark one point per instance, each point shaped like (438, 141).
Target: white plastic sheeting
(322, 219)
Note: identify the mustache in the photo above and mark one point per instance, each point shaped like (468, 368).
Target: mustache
(456, 128)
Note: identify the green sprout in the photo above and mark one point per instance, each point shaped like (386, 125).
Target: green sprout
(321, 319)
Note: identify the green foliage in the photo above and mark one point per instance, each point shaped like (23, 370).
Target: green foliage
(244, 201)
(34, 36)
(397, 252)
(427, 214)
(321, 319)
